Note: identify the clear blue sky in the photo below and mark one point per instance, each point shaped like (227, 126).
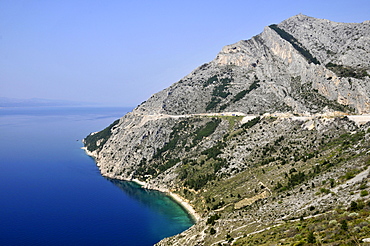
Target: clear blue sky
(119, 52)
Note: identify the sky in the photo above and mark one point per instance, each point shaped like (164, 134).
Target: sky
(120, 52)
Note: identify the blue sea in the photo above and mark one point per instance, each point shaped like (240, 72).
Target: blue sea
(51, 192)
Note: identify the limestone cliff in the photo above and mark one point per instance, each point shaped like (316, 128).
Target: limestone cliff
(240, 127)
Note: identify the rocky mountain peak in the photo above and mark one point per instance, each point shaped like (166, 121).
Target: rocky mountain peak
(270, 71)
(253, 136)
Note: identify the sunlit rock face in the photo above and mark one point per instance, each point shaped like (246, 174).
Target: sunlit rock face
(264, 74)
(295, 82)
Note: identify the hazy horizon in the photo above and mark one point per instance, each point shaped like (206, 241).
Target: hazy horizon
(121, 52)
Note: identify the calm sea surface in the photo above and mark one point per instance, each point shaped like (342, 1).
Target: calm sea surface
(51, 192)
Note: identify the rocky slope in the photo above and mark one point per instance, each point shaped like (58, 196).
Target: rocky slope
(256, 136)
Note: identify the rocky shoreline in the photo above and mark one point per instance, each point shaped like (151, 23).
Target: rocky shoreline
(262, 134)
(177, 198)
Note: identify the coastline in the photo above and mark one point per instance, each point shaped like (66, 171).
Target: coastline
(188, 208)
(175, 197)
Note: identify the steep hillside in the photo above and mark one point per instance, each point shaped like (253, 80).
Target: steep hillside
(257, 136)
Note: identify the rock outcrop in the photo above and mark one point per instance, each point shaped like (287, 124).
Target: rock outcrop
(292, 87)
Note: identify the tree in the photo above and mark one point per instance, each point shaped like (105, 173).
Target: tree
(311, 238)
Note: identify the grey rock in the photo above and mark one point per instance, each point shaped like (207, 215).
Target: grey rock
(312, 68)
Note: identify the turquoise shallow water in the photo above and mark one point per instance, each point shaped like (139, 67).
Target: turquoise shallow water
(53, 194)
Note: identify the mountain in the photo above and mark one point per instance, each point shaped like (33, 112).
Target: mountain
(273, 129)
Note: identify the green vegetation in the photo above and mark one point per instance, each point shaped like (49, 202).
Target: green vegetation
(346, 71)
(233, 121)
(212, 219)
(315, 98)
(338, 227)
(211, 80)
(102, 137)
(207, 130)
(251, 123)
(276, 163)
(197, 173)
(312, 98)
(239, 96)
(364, 193)
(213, 103)
(242, 93)
(322, 164)
(214, 151)
(185, 136)
(296, 44)
(168, 164)
(219, 91)
(174, 138)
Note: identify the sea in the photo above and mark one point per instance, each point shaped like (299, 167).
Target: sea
(51, 192)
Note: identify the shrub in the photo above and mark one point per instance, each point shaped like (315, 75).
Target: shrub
(251, 123)
(93, 138)
(241, 94)
(364, 193)
(212, 220)
(311, 238)
(363, 185)
(213, 103)
(344, 225)
(353, 206)
(210, 81)
(207, 130)
(346, 71)
(323, 190)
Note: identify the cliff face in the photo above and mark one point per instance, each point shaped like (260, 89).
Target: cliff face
(268, 103)
(281, 67)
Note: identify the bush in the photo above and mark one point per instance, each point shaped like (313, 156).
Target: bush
(353, 206)
(323, 190)
(207, 130)
(311, 238)
(251, 123)
(212, 220)
(346, 71)
(344, 225)
(213, 152)
(241, 94)
(210, 81)
(213, 103)
(364, 193)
